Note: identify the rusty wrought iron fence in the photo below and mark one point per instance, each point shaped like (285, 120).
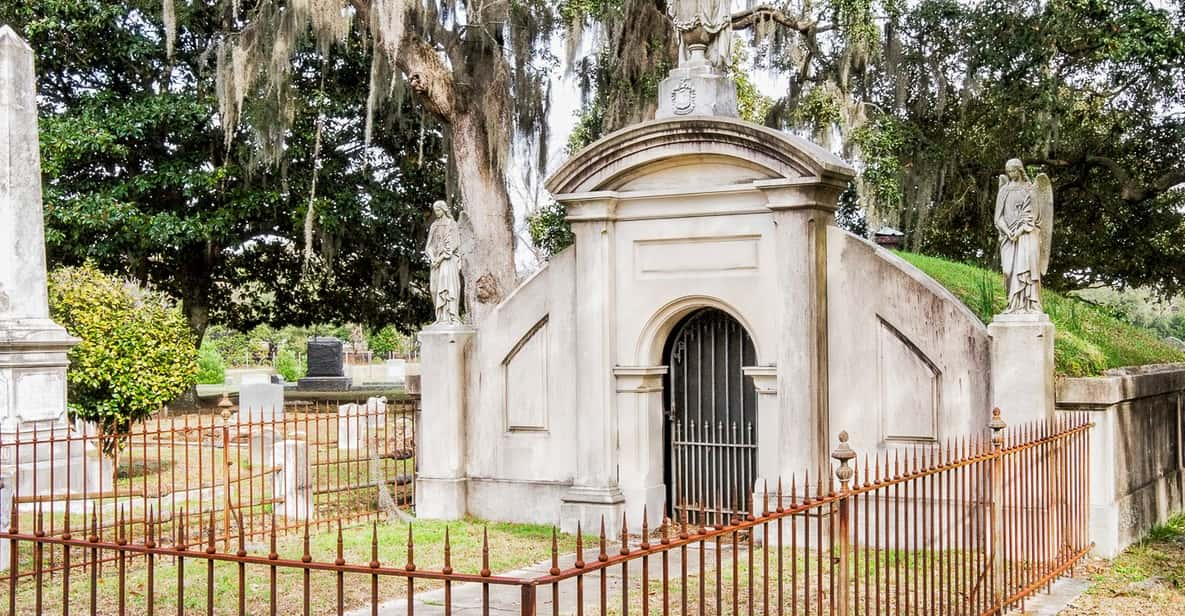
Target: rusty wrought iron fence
(252, 472)
(973, 526)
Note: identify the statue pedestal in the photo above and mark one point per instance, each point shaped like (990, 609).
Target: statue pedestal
(1022, 366)
(440, 444)
(695, 88)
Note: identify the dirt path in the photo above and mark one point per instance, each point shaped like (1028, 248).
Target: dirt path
(1147, 579)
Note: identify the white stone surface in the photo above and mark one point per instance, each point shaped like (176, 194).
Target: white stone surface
(6, 493)
(1022, 366)
(440, 478)
(395, 371)
(1137, 464)
(261, 403)
(292, 482)
(22, 236)
(359, 424)
(910, 364)
(563, 383)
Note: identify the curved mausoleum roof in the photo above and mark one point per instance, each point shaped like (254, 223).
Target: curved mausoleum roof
(713, 144)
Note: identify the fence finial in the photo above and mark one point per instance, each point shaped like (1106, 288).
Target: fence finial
(997, 425)
(843, 454)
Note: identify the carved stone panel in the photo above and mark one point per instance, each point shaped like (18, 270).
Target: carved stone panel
(696, 256)
(40, 393)
(525, 374)
(909, 388)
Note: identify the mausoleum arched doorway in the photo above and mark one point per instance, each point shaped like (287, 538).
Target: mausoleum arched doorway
(710, 410)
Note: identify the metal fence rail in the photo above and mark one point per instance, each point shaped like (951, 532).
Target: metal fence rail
(968, 527)
(253, 474)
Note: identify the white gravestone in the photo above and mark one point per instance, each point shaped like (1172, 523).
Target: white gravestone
(290, 483)
(396, 371)
(261, 402)
(358, 424)
(5, 516)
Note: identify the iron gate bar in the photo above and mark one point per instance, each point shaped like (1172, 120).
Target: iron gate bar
(711, 409)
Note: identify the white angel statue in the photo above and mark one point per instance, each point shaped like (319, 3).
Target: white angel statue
(1024, 218)
(444, 256)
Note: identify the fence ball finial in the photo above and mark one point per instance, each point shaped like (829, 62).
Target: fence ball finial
(997, 425)
(843, 454)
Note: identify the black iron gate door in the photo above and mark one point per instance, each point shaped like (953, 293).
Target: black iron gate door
(711, 432)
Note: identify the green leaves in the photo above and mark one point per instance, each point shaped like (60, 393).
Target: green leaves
(137, 352)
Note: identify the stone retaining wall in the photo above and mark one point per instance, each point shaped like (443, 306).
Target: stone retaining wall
(1136, 449)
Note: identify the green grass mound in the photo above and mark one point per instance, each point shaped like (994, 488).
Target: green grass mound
(1089, 340)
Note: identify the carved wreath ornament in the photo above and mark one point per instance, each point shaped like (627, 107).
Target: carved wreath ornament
(683, 98)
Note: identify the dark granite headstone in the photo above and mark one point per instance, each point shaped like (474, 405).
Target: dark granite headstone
(325, 357)
(325, 369)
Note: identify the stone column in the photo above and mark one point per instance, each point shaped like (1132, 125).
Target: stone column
(639, 401)
(1022, 367)
(440, 453)
(595, 492)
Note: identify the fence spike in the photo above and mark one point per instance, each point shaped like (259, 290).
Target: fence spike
(806, 486)
(645, 528)
(749, 511)
(555, 553)
(485, 552)
(272, 554)
(625, 538)
(579, 546)
(764, 498)
(341, 559)
(603, 555)
(120, 538)
(448, 553)
(66, 525)
(374, 548)
(39, 528)
(210, 549)
(149, 530)
(242, 542)
(181, 539)
(306, 556)
(779, 508)
(411, 546)
(793, 489)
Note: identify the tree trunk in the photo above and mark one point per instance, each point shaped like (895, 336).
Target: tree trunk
(195, 305)
(488, 268)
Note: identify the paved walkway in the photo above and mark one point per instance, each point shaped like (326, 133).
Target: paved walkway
(467, 599)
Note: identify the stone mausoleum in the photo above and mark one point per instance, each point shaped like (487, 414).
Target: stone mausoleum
(710, 329)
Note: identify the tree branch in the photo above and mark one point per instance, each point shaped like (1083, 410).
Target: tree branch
(1131, 190)
(746, 19)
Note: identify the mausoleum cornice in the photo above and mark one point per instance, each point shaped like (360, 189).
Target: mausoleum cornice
(739, 151)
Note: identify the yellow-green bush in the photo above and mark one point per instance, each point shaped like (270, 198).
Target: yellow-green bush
(136, 354)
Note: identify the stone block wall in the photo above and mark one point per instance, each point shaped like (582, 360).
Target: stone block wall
(1136, 449)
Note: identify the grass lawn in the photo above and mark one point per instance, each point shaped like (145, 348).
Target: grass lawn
(511, 546)
(1089, 340)
(1148, 578)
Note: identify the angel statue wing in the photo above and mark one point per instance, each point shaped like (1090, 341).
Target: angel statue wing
(1043, 209)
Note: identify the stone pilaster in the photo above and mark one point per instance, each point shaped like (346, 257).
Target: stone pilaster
(441, 477)
(595, 490)
(802, 212)
(1022, 366)
(639, 402)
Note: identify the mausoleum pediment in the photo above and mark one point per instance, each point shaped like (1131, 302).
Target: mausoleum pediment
(692, 153)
